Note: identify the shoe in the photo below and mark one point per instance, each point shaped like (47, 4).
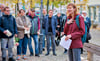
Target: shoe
(18, 57)
(3, 59)
(37, 55)
(65, 52)
(55, 54)
(31, 54)
(11, 59)
(24, 57)
(47, 54)
(43, 49)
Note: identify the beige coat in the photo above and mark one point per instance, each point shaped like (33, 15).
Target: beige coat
(20, 26)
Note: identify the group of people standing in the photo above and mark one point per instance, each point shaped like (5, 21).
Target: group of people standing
(27, 27)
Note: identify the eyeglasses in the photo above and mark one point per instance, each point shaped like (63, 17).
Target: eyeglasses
(8, 10)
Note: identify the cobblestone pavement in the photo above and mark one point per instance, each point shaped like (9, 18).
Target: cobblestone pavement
(59, 50)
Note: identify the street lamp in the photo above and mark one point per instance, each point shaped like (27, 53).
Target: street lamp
(41, 34)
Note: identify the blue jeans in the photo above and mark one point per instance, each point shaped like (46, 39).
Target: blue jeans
(75, 54)
(35, 38)
(43, 31)
(22, 48)
(30, 45)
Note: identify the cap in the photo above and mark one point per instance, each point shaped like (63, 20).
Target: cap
(84, 12)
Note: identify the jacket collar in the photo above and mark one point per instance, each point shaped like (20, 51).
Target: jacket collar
(7, 15)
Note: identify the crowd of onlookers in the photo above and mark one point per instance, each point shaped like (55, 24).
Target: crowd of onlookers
(23, 28)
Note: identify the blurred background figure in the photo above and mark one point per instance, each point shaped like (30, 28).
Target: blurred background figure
(58, 28)
(43, 27)
(1, 9)
(88, 22)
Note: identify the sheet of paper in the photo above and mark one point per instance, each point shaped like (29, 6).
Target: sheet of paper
(8, 33)
(27, 31)
(65, 43)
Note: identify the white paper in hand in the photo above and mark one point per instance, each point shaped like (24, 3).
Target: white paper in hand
(65, 44)
(27, 31)
(8, 33)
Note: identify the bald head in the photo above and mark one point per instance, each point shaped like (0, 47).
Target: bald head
(1, 7)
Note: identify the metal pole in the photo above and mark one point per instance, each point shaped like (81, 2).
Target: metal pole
(41, 34)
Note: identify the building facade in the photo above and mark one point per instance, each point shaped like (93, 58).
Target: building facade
(94, 10)
(91, 6)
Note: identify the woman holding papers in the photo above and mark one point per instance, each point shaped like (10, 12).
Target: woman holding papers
(74, 33)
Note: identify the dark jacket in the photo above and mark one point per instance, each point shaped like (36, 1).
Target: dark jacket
(43, 22)
(7, 22)
(60, 20)
(53, 24)
(75, 32)
(88, 22)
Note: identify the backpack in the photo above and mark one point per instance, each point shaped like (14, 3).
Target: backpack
(84, 37)
(34, 27)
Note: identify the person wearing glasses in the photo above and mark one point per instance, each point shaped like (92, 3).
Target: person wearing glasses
(1, 13)
(8, 30)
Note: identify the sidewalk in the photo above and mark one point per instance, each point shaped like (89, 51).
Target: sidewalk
(59, 50)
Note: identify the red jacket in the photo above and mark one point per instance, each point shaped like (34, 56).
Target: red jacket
(75, 32)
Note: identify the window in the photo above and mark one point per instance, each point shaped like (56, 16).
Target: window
(94, 10)
(99, 14)
(89, 8)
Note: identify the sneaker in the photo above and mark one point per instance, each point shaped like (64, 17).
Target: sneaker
(24, 57)
(3, 59)
(18, 58)
(11, 59)
(43, 49)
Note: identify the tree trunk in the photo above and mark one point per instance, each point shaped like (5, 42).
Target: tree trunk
(47, 6)
(53, 5)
